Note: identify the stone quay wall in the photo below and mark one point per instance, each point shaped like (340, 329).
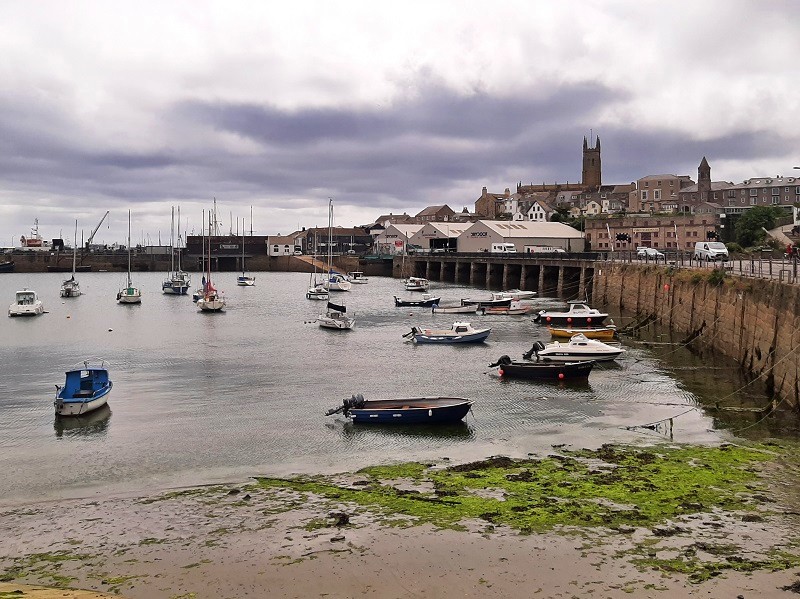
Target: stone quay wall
(754, 321)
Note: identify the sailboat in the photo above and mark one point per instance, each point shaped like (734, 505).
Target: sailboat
(179, 280)
(316, 289)
(70, 287)
(131, 294)
(212, 300)
(335, 281)
(244, 279)
(335, 316)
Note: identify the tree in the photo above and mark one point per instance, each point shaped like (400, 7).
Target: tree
(750, 225)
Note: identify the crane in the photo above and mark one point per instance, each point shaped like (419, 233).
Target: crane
(91, 237)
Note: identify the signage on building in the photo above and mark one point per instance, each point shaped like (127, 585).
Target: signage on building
(478, 234)
(645, 230)
(398, 244)
(228, 246)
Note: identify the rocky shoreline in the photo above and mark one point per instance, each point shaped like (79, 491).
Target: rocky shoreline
(616, 522)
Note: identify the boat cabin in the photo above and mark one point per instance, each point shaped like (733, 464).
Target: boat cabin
(85, 382)
(26, 298)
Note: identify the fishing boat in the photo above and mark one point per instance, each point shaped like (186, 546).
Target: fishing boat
(455, 309)
(26, 303)
(578, 348)
(211, 300)
(245, 280)
(335, 281)
(336, 317)
(514, 309)
(460, 332)
(548, 371)
(130, 294)
(415, 410)
(70, 287)
(606, 333)
(514, 294)
(416, 284)
(85, 389)
(578, 314)
(179, 280)
(426, 301)
(357, 277)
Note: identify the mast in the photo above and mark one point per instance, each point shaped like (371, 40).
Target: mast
(74, 249)
(172, 241)
(330, 238)
(129, 248)
(179, 238)
(237, 226)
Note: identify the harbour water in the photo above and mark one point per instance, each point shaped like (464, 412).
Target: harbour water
(201, 398)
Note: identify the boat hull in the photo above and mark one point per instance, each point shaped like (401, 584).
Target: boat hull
(80, 406)
(568, 356)
(604, 334)
(171, 289)
(246, 281)
(425, 302)
(210, 305)
(454, 309)
(28, 310)
(421, 410)
(451, 338)
(572, 320)
(317, 294)
(546, 371)
(339, 324)
(7, 266)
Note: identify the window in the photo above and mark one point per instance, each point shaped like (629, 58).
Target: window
(753, 201)
(656, 194)
(275, 248)
(776, 199)
(644, 194)
(776, 191)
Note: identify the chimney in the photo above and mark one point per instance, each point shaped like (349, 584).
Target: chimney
(508, 192)
(484, 191)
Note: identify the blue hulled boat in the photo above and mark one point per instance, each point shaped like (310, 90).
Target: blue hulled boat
(416, 410)
(86, 388)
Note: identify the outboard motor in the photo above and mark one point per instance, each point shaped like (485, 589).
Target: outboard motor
(534, 351)
(501, 361)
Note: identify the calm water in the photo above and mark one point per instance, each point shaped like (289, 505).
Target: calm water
(208, 397)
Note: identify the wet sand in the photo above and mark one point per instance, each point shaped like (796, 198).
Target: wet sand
(234, 541)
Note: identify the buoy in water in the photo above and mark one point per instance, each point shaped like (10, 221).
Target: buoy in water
(500, 372)
(560, 376)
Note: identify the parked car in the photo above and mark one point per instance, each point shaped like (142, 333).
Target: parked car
(644, 253)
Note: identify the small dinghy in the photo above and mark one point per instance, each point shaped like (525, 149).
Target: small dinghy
(426, 302)
(416, 410)
(460, 332)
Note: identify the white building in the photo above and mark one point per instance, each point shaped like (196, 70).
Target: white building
(439, 236)
(280, 245)
(525, 235)
(395, 238)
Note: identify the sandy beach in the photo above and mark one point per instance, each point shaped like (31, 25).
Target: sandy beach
(249, 540)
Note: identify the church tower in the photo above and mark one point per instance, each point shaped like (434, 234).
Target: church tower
(704, 181)
(591, 177)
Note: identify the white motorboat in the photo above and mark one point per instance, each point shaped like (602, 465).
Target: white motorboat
(578, 348)
(26, 303)
(130, 294)
(417, 284)
(336, 317)
(357, 277)
(578, 315)
(70, 287)
(514, 294)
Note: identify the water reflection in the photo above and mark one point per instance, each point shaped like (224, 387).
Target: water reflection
(440, 433)
(93, 424)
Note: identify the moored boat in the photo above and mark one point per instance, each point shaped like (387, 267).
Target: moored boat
(578, 314)
(357, 277)
(26, 303)
(415, 410)
(426, 301)
(336, 317)
(7, 266)
(488, 302)
(551, 371)
(515, 309)
(86, 388)
(416, 284)
(460, 332)
(606, 333)
(514, 294)
(458, 309)
(578, 348)
(71, 287)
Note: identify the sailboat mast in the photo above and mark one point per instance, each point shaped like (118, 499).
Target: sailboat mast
(330, 237)
(75, 248)
(129, 248)
(172, 241)
(179, 238)
(237, 226)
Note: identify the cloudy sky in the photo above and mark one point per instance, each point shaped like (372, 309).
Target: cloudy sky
(382, 106)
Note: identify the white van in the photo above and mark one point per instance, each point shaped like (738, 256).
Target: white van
(544, 249)
(504, 248)
(710, 250)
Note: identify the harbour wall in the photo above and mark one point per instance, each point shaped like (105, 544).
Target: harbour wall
(754, 321)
